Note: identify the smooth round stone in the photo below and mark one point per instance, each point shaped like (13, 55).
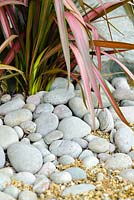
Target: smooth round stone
(123, 139)
(27, 195)
(8, 171)
(61, 177)
(77, 189)
(106, 120)
(87, 118)
(90, 161)
(19, 131)
(52, 136)
(43, 108)
(76, 173)
(16, 117)
(41, 184)
(73, 127)
(111, 147)
(34, 137)
(120, 82)
(127, 174)
(8, 136)
(131, 154)
(1, 122)
(42, 147)
(20, 96)
(90, 137)
(30, 106)
(40, 143)
(25, 141)
(11, 106)
(47, 169)
(65, 147)
(46, 123)
(104, 156)
(118, 161)
(83, 143)
(12, 190)
(28, 127)
(127, 103)
(99, 145)
(34, 99)
(60, 82)
(4, 181)
(62, 111)
(25, 158)
(123, 94)
(59, 96)
(4, 196)
(66, 160)
(25, 177)
(5, 98)
(78, 107)
(2, 157)
(85, 153)
(112, 133)
(48, 158)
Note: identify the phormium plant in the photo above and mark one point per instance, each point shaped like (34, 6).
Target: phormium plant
(53, 36)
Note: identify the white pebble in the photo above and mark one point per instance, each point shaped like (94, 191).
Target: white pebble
(5, 98)
(61, 177)
(27, 195)
(30, 106)
(48, 158)
(28, 126)
(19, 131)
(90, 162)
(12, 190)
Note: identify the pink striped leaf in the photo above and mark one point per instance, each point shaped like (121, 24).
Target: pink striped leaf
(85, 80)
(109, 95)
(81, 39)
(72, 8)
(5, 23)
(63, 32)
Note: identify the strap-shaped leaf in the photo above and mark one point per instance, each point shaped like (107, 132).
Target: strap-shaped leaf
(63, 32)
(7, 42)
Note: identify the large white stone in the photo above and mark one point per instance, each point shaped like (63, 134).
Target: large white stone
(118, 161)
(16, 117)
(73, 127)
(65, 147)
(46, 123)
(2, 157)
(25, 158)
(11, 106)
(8, 136)
(77, 189)
(4, 196)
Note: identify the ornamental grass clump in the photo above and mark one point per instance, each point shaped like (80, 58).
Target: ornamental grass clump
(52, 37)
